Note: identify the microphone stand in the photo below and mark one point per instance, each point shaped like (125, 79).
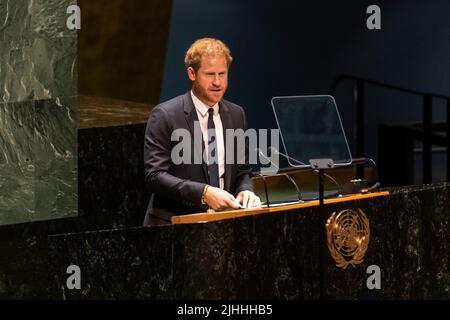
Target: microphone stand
(264, 177)
(265, 188)
(299, 197)
(320, 165)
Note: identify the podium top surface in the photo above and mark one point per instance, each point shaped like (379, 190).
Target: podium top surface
(229, 214)
(98, 112)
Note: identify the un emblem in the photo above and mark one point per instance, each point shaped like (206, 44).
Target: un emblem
(348, 235)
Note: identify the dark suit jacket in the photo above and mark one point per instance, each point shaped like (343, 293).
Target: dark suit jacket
(177, 189)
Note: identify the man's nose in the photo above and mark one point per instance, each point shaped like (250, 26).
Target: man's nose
(216, 80)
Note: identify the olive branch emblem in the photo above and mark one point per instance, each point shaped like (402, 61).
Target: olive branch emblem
(348, 235)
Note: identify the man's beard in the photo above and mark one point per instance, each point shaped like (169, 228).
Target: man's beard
(204, 94)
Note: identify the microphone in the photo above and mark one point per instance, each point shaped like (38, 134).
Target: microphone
(374, 187)
(266, 157)
(273, 150)
(264, 179)
(377, 183)
(276, 151)
(365, 188)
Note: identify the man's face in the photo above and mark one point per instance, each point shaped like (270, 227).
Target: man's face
(210, 81)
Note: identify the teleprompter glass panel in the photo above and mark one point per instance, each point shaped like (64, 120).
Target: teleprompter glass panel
(311, 128)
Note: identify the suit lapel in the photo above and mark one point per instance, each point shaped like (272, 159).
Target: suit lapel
(194, 125)
(227, 123)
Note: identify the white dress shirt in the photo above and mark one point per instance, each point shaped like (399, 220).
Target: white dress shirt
(202, 113)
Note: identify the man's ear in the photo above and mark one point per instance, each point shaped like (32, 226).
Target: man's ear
(191, 73)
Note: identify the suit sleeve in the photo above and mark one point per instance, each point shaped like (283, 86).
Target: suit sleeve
(157, 162)
(243, 180)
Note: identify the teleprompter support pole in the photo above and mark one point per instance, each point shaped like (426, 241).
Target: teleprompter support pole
(320, 165)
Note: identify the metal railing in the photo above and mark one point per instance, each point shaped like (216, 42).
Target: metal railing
(426, 131)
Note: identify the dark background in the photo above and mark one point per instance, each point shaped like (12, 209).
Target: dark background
(300, 47)
(121, 48)
(134, 50)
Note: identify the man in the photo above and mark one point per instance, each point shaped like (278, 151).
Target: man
(194, 187)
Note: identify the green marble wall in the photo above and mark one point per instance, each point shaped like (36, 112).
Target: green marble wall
(38, 88)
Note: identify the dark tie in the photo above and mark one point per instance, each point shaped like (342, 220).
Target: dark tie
(213, 166)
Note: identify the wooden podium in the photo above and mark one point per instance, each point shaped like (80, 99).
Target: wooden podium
(229, 214)
(263, 253)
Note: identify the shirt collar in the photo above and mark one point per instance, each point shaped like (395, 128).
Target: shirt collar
(203, 108)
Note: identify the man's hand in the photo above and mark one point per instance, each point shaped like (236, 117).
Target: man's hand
(248, 199)
(218, 199)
